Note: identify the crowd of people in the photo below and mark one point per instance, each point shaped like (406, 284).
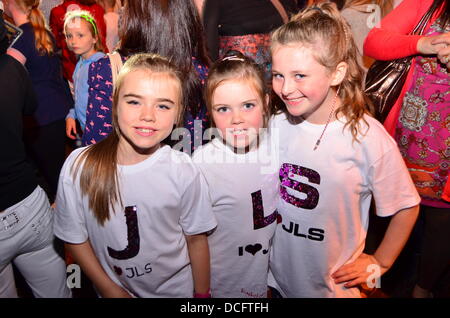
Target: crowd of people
(221, 148)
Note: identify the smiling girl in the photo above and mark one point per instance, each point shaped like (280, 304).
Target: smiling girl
(131, 210)
(334, 158)
(242, 186)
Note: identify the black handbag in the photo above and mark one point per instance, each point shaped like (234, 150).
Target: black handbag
(385, 79)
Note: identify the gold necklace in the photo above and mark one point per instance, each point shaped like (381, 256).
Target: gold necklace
(328, 121)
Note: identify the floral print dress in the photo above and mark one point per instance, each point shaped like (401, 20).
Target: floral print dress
(423, 129)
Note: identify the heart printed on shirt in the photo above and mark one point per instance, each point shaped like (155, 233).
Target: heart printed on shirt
(253, 249)
(118, 270)
(279, 218)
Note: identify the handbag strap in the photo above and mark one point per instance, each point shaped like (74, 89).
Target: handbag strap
(116, 65)
(420, 27)
(281, 10)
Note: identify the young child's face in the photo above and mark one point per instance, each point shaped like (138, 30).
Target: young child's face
(237, 111)
(302, 83)
(79, 38)
(147, 110)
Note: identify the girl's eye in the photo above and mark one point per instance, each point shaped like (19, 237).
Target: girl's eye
(277, 76)
(163, 106)
(222, 109)
(132, 102)
(299, 76)
(248, 106)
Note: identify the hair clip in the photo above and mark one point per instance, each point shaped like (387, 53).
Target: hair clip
(91, 21)
(316, 8)
(233, 58)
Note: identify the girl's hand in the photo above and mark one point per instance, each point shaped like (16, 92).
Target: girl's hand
(444, 52)
(71, 128)
(429, 45)
(358, 272)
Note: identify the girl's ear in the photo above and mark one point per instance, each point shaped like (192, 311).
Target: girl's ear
(339, 74)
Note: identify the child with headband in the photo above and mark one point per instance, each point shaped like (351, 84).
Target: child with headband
(82, 37)
(242, 178)
(334, 158)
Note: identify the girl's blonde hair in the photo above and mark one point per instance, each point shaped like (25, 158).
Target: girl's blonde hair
(323, 26)
(43, 39)
(236, 66)
(90, 21)
(98, 177)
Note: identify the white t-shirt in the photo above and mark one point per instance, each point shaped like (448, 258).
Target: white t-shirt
(326, 196)
(142, 247)
(243, 194)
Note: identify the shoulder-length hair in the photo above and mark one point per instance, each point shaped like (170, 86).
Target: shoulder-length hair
(170, 28)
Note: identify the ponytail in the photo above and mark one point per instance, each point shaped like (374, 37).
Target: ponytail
(98, 178)
(43, 38)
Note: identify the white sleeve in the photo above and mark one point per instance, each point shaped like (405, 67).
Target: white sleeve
(69, 221)
(392, 186)
(197, 215)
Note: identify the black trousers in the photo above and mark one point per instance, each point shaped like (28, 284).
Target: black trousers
(46, 149)
(434, 265)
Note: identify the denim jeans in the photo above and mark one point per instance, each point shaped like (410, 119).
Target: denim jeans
(27, 240)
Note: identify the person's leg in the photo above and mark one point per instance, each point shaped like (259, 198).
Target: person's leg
(37, 260)
(7, 285)
(45, 272)
(435, 255)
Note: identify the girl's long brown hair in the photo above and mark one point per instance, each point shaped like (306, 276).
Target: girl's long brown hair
(170, 28)
(322, 25)
(98, 163)
(43, 38)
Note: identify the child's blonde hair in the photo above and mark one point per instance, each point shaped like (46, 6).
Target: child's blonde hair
(92, 25)
(236, 66)
(98, 177)
(327, 33)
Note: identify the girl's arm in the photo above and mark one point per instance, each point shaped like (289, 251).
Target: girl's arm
(199, 255)
(83, 255)
(397, 234)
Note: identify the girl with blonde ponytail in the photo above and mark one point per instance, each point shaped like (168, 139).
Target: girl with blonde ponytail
(132, 211)
(45, 131)
(334, 158)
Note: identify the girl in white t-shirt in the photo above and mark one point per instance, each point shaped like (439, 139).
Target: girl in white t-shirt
(242, 178)
(132, 211)
(334, 158)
